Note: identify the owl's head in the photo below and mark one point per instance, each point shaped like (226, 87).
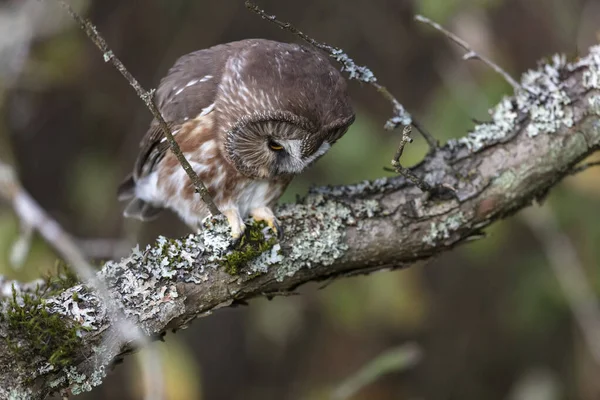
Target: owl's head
(264, 146)
(280, 107)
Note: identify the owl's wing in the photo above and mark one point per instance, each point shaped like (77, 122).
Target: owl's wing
(189, 88)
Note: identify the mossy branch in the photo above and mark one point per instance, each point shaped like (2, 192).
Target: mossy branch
(532, 142)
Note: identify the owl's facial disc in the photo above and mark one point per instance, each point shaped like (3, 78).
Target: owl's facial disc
(265, 148)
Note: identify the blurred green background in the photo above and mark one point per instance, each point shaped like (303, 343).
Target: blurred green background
(489, 318)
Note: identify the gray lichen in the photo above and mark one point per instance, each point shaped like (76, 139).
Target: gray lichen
(16, 394)
(542, 98)
(505, 180)
(269, 258)
(319, 240)
(78, 305)
(443, 230)
(594, 102)
(361, 73)
(591, 76)
(504, 119)
(80, 383)
(363, 188)
(365, 208)
(159, 267)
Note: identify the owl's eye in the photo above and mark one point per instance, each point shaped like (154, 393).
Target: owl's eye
(275, 146)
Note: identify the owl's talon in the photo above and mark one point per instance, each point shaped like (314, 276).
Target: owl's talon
(236, 242)
(266, 214)
(236, 224)
(276, 227)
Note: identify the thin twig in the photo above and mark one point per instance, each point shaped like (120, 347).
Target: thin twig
(31, 214)
(570, 273)
(20, 249)
(108, 249)
(396, 359)
(405, 172)
(359, 72)
(147, 98)
(403, 142)
(471, 54)
(583, 167)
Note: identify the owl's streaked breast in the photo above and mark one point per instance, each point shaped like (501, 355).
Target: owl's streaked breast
(170, 187)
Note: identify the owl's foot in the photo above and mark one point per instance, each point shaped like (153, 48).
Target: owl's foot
(266, 214)
(236, 223)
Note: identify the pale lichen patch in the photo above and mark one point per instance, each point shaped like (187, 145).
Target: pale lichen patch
(319, 240)
(79, 305)
(363, 188)
(591, 63)
(443, 230)
(366, 208)
(80, 383)
(16, 394)
(504, 118)
(267, 259)
(594, 102)
(544, 98)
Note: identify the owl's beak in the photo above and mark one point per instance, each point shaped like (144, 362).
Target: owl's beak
(323, 148)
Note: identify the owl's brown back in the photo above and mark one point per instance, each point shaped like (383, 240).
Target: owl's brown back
(234, 80)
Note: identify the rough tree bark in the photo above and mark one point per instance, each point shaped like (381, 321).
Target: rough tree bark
(533, 141)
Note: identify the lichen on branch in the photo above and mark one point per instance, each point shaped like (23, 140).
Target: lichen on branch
(532, 141)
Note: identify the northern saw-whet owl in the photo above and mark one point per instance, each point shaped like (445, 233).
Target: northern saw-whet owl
(248, 116)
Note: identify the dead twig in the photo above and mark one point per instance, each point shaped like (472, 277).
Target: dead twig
(147, 97)
(362, 73)
(405, 172)
(570, 273)
(583, 167)
(396, 359)
(470, 54)
(359, 72)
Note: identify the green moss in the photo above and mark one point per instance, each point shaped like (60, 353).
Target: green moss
(63, 278)
(251, 245)
(33, 332)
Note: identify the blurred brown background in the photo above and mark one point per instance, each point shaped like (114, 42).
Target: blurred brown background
(490, 318)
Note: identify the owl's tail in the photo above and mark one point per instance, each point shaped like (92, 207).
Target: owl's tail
(137, 208)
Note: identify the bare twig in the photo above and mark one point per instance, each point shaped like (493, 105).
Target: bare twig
(359, 72)
(570, 273)
(33, 216)
(108, 249)
(20, 249)
(583, 167)
(405, 172)
(364, 74)
(147, 98)
(471, 54)
(396, 359)
(403, 142)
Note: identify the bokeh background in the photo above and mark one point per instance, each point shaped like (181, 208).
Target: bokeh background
(486, 321)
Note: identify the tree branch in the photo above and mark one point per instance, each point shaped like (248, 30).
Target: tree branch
(531, 143)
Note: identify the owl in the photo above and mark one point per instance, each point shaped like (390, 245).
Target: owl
(248, 116)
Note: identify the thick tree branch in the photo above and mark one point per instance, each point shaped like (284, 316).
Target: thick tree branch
(532, 142)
